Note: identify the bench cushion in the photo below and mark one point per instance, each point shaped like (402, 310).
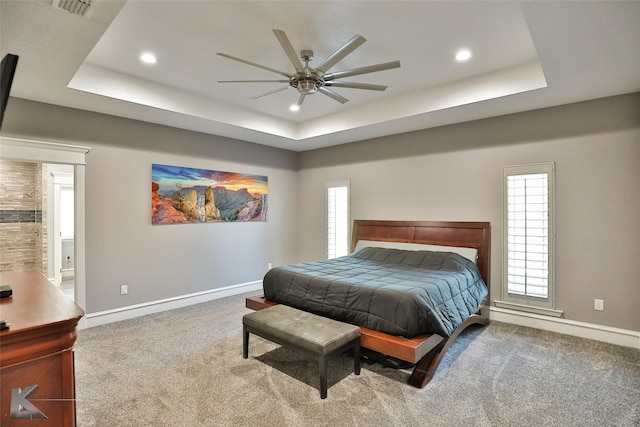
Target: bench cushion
(316, 334)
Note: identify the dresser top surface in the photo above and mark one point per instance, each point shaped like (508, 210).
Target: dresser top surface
(35, 303)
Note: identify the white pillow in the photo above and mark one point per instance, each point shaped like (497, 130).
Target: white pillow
(468, 253)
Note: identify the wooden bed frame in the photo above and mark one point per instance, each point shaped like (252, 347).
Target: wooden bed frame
(425, 351)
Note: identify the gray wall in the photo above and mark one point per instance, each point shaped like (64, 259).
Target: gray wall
(453, 173)
(162, 261)
(447, 173)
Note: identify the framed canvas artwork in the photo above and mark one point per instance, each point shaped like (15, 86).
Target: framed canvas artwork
(188, 195)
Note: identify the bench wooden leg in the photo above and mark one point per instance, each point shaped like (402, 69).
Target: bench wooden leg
(323, 377)
(356, 357)
(245, 342)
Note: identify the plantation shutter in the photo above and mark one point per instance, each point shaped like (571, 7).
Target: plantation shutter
(337, 218)
(528, 234)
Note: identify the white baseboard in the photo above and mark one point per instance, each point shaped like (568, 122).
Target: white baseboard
(129, 312)
(592, 331)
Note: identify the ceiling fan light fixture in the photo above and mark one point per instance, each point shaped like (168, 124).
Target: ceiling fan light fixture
(307, 86)
(294, 107)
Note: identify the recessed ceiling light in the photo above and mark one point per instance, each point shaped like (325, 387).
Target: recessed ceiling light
(463, 55)
(148, 58)
(294, 107)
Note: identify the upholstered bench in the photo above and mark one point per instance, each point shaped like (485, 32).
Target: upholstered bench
(316, 336)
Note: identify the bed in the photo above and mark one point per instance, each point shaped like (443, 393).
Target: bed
(419, 340)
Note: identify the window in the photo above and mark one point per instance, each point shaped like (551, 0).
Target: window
(528, 233)
(338, 230)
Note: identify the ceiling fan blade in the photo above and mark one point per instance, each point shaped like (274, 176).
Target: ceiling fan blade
(244, 61)
(361, 70)
(253, 81)
(301, 99)
(291, 53)
(355, 85)
(331, 94)
(339, 54)
(270, 92)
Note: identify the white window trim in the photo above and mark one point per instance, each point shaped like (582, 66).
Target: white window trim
(529, 308)
(545, 306)
(333, 184)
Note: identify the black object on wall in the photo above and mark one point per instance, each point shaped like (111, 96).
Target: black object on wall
(7, 71)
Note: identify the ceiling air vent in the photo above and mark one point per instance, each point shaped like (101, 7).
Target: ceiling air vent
(77, 7)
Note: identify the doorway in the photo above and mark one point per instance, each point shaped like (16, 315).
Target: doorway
(61, 251)
(40, 152)
(37, 222)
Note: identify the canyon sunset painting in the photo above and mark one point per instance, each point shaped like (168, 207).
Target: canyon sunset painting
(187, 195)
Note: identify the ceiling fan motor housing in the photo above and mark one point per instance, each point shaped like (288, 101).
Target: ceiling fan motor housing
(307, 84)
(307, 80)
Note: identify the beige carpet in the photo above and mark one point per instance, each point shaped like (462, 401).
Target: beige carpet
(185, 368)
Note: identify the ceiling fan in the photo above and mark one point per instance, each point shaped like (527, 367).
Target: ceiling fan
(307, 80)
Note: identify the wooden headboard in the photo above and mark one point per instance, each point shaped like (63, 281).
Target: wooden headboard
(461, 234)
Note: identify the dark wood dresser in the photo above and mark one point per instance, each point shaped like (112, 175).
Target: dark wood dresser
(37, 350)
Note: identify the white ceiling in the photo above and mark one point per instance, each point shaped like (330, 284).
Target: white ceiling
(526, 55)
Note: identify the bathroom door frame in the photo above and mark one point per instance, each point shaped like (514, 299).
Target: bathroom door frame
(49, 152)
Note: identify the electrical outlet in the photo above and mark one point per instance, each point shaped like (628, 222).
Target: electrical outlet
(124, 289)
(269, 266)
(598, 304)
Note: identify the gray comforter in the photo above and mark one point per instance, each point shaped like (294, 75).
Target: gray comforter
(404, 293)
